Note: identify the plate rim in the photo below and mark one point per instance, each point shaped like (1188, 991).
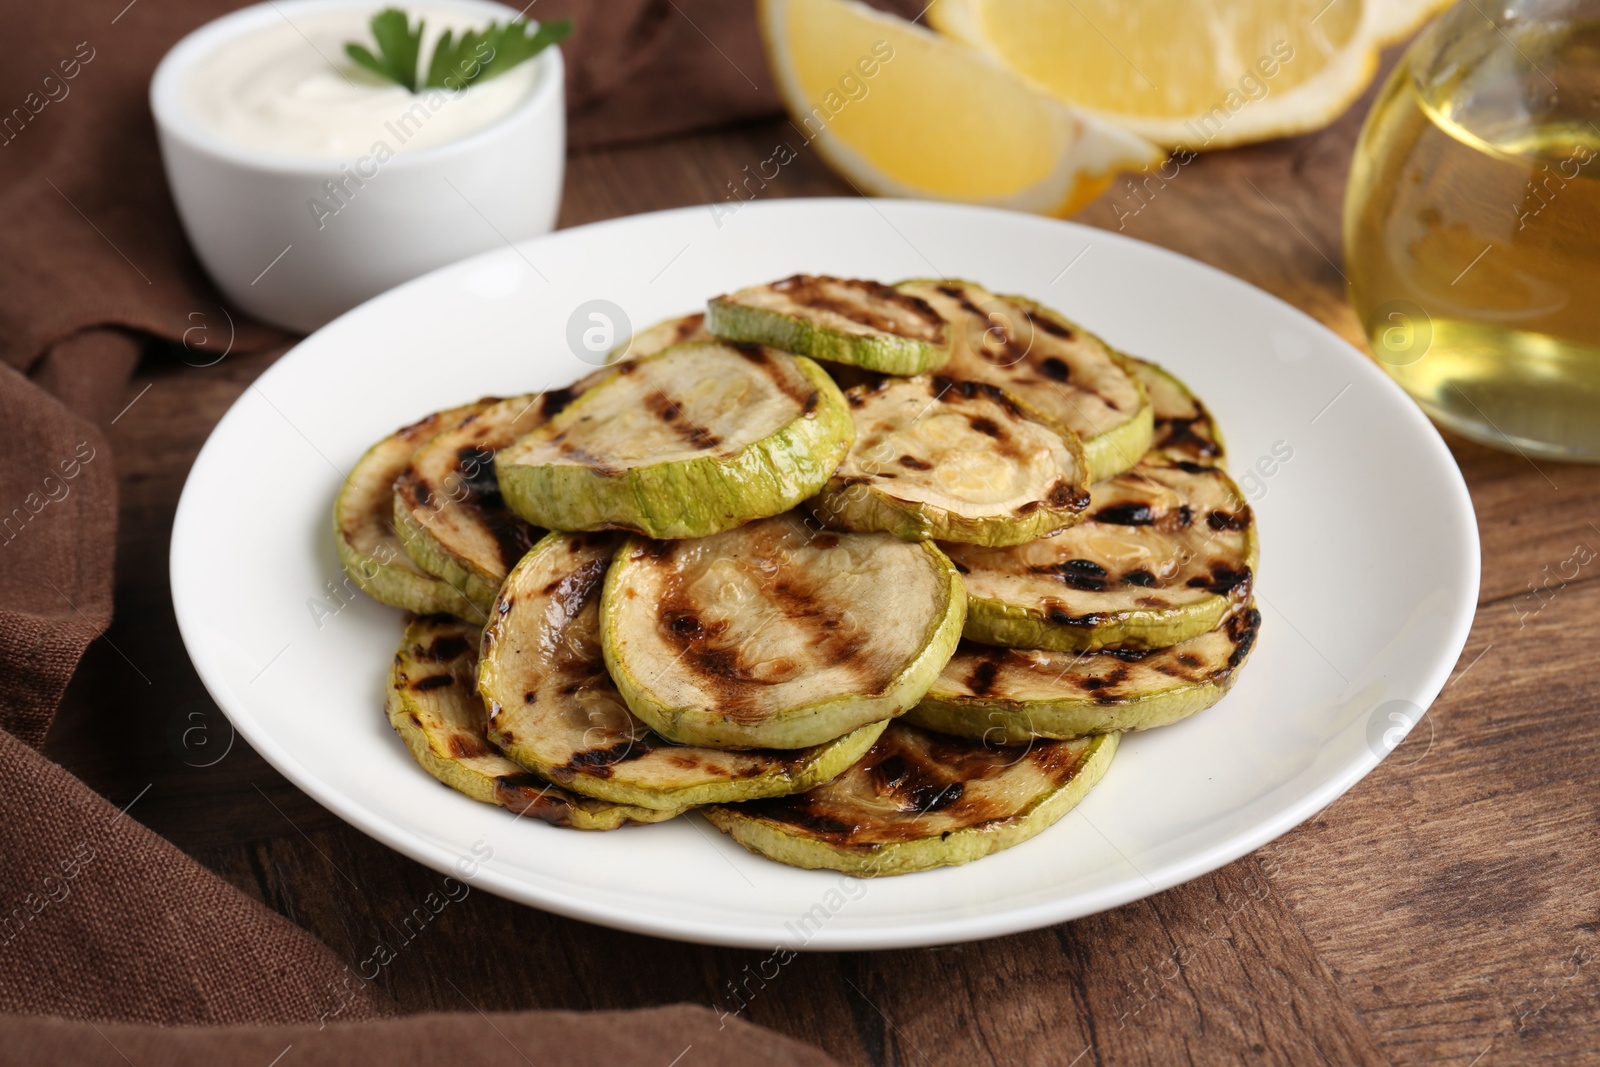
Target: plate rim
(1138, 885)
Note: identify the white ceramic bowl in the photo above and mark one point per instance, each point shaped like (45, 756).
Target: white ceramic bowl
(246, 211)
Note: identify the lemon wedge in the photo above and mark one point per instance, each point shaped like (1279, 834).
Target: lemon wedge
(1191, 73)
(902, 111)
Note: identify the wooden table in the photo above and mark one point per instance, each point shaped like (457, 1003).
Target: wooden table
(1445, 910)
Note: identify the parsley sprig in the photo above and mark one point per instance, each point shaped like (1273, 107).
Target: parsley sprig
(457, 62)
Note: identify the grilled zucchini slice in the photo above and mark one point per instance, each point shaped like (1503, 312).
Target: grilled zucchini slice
(920, 799)
(433, 703)
(447, 504)
(1010, 695)
(1166, 551)
(554, 710)
(776, 635)
(662, 335)
(843, 320)
(363, 525)
(1184, 429)
(1067, 375)
(953, 460)
(695, 439)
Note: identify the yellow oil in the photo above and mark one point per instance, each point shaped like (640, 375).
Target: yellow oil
(1472, 232)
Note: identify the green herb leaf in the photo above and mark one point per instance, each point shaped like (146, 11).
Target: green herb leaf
(520, 42)
(457, 62)
(398, 48)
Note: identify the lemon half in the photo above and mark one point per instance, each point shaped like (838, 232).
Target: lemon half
(1195, 73)
(902, 111)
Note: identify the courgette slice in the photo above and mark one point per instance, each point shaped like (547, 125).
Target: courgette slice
(920, 799)
(953, 460)
(1067, 375)
(363, 525)
(843, 320)
(433, 703)
(663, 335)
(777, 635)
(695, 439)
(553, 708)
(1165, 552)
(447, 504)
(1184, 429)
(1011, 695)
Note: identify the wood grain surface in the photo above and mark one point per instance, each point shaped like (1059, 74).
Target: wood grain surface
(1446, 910)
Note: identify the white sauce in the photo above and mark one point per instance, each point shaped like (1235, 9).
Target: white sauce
(289, 89)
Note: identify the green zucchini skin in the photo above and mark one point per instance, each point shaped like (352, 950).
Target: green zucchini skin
(1009, 696)
(920, 344)
(871, 658)
(554, 710)
(919, 800)
(693, 497)
(432, 702)
(371, 548)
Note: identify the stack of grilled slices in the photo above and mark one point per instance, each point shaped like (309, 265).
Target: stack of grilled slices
(873, 575)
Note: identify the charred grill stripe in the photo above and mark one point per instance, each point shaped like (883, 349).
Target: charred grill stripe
(1048, 324)
(555, 401)
(475, 468)
(670, 412)
(1179, 435)
(981, 680)
(1220, 520)
(1242, 630)
(1064, 494)
(444, 648)
(599, 761)
(433, 681)
(810, 291)
(1054, 368)
(723, 668)
(464, 746)
(1130, 513)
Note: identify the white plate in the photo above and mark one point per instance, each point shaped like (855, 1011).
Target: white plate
(1367, 582)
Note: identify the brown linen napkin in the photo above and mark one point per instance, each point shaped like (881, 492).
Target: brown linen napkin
(648, 1038)
(101, 921)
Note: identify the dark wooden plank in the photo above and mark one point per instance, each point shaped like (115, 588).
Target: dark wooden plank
(1452, 893)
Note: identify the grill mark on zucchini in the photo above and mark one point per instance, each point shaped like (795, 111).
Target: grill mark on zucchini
(981, 680)
(668, 411)
(723, 669)
(1129, 514)
(513, 537)
(432, 681)
(1027, 693)
(807, 291)
(917, 800)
